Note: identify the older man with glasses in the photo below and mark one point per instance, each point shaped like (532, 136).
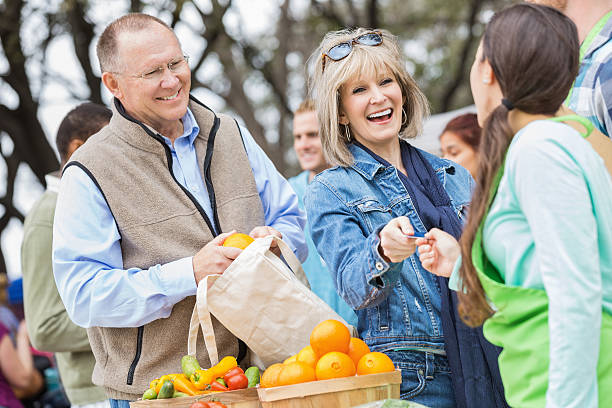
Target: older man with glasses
(145, 205)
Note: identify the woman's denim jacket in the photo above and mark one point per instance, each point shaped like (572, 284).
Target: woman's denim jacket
(397, 304)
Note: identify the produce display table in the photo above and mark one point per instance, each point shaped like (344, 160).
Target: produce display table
(337, 393)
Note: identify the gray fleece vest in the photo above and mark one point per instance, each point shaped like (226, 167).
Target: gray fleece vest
(160, 222)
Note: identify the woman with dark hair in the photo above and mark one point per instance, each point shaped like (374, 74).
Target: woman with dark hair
(459, 141)
(534, 262)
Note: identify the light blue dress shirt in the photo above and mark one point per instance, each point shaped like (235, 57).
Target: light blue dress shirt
(319, 277)
(86, 243)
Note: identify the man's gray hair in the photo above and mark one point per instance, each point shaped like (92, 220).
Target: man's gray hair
(108, 43)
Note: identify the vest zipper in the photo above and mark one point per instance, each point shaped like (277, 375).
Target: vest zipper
(207, 161)
(242, 349)
(211, 193)
(130, 376)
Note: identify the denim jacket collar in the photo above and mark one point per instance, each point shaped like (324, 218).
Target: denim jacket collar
(368, 166)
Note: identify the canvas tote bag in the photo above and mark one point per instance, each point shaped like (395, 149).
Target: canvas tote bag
(262, 302)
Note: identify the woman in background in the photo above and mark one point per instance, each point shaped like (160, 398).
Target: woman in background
(16, 366)
(459, 141)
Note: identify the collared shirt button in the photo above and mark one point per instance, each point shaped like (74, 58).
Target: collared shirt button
(379, 266)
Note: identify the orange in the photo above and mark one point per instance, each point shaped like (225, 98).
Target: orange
(334, 365)
(291, 359)
(357, 349)
(308, 356)
(373, 363)
(238, 240)
(330, 335)
(295, 373)
(270, 377)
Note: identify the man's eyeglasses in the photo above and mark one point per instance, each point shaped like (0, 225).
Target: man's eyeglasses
(155, 74)
(342, 50)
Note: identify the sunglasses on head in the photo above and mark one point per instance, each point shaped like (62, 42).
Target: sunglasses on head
(342, 50)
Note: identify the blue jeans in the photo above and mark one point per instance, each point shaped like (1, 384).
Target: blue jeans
(426, 378)
(115, 403)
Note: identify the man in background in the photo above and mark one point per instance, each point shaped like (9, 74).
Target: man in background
(307, 145)
(591, 95)
(48, 323)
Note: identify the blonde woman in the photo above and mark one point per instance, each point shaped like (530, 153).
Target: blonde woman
(365, 212)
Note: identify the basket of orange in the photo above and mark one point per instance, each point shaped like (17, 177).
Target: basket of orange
(334, 370)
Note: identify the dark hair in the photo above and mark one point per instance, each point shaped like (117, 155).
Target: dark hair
(107, 46)
(533, 51)
(466, 127)
(80, 123)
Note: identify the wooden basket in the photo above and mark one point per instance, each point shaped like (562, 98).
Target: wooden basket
(337, 393)
(246, 398)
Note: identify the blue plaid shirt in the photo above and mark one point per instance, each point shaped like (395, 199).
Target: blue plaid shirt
(591, 96)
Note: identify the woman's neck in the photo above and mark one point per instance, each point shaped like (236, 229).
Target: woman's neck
(391, 152)
(518, 119)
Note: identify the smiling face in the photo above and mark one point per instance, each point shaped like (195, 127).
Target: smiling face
(159, 102)
(371, 105)
(307, 143)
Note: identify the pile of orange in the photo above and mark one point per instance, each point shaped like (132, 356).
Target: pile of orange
(332, 353)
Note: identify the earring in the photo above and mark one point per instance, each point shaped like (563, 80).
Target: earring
(404, 116)
(486, 81)
(347, 132)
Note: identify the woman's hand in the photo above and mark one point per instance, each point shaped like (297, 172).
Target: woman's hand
(438, 252)
(396, 241)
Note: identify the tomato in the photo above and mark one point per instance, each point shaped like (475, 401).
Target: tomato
(217, 386)
(200, 404)
(237, 382)
(232, 372)
(216, 404)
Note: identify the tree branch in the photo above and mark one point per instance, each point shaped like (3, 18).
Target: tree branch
(460, 72)
(82, 38)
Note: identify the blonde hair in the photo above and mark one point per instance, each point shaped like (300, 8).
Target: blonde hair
(363, 60)
(307, 105)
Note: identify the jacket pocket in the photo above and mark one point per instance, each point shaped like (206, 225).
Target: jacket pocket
(374, 213)
(379, 318)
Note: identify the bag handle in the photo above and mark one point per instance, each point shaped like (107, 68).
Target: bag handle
(292, 261)
(201, 314)
(201, 317)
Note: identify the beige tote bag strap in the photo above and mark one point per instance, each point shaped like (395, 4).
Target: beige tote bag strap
(201, 317)
(292, 261)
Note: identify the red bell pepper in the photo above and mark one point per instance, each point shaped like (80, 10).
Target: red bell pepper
(235, 379)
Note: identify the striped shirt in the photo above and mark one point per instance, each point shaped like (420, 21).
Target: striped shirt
(591, 95)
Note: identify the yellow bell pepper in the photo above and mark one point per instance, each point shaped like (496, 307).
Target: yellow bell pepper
(223, 366)
(182, 384)
(163, 378)
(201, 378)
